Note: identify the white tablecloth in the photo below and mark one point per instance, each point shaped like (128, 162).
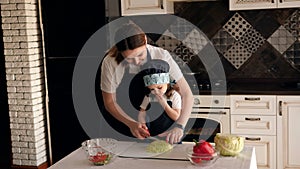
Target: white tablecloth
(77, 160)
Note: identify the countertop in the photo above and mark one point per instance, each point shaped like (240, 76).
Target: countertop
(78, 160)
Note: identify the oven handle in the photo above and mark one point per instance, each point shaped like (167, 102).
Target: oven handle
(212, 112)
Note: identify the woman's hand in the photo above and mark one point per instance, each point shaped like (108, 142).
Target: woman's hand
(173, 136)
(139, 130)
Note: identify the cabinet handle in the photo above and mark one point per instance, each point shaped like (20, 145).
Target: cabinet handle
(279, 1)
(280, 108)
(212, 112)
(161, 4)
(253, 139)
(272, 1)
(252, 99)
(252, 119)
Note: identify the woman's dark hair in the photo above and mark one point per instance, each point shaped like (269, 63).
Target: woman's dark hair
(127, 43)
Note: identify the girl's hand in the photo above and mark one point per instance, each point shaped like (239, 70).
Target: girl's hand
(161, 100)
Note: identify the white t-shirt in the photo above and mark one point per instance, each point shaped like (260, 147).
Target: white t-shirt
(175, 99)
(112, 72)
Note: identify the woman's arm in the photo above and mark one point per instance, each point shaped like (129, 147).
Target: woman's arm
(187, 100)
(137, 129)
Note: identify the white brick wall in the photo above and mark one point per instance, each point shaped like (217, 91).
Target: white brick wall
(25, 81)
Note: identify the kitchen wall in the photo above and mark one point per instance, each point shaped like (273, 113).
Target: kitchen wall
(252, 45)
(4, 115)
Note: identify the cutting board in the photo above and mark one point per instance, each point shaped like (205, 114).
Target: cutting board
(138, 150)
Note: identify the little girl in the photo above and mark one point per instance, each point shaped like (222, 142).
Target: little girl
(157, 79)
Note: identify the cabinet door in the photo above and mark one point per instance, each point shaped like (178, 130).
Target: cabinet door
(288, 3)
(253, 104)
(288, 132)
(253, 124)
(262, 4)
(252, 4)
(138, 7)
(265, 150)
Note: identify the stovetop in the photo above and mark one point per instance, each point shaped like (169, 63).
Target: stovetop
(205, 87)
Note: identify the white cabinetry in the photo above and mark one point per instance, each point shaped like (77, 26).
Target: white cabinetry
(254, 117)
(142, 7)
(259, 4)
(288, 127)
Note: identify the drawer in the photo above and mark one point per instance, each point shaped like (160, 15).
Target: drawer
(253, 104)
(265, 150)
(251, 124)
(211, 101)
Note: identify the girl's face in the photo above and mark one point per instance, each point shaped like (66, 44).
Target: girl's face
(158, 89)
(135, 56)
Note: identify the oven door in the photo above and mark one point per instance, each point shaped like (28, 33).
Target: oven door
(206, 123)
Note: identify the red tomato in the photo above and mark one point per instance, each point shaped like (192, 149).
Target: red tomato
(99, 157)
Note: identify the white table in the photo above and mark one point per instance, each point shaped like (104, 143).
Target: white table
(77, 160)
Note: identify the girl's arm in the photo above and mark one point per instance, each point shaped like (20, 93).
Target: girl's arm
(172, 113)
(142, 116)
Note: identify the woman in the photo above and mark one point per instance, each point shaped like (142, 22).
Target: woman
(125, 59)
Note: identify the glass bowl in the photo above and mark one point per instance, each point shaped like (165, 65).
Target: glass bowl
(100, 151)
(201, 159)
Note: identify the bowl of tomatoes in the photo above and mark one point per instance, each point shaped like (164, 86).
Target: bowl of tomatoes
(100, 151)
(202, 153)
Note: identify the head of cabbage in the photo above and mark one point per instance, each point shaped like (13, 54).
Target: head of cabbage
(229, 145)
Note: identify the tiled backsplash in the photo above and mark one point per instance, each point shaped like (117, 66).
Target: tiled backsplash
(254, 44)
(258, 44)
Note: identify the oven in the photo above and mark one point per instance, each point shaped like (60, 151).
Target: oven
(210, 115)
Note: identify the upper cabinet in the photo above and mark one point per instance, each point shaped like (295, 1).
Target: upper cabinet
(262, 4)
(138, 7)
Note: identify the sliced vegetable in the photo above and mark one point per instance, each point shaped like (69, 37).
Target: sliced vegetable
(100, 158)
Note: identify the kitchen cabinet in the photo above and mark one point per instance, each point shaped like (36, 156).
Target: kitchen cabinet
(259, 4)
(254, 117)
(288, 132)
(138, 7)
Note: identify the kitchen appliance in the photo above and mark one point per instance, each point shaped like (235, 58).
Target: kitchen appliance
(210, 115)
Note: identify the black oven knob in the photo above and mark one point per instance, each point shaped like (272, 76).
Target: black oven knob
(196, 101)
(216, 101)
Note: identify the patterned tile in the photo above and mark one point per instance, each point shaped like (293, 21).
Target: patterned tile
(237, 55)
(168, 41)
(293, 54)
(292, 24)
(281, 39)
(180, 28)
(251, 43)
(236, 26)
(195, 40)
(222, 41)
(252, 40)
(184, 53)
(150, 40)
(264, 21)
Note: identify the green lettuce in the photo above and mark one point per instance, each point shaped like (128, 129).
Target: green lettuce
(228, 145)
